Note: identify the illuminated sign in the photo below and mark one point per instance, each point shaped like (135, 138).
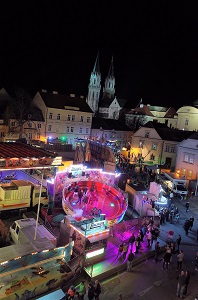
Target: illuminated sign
(94, 253)
(97, 224)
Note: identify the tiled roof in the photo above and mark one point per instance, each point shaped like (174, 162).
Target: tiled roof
(60, 101)
(20, 150)
(145, 110)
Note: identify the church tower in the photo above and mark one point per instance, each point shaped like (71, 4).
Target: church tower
(94, 87)
(109, 86)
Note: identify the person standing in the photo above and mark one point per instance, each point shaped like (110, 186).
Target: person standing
(97, 290)
(187, 273)
(120, 250)
(157, 251)
(132, 240)
(186, 226)
(130, 261)
(187, 206)
(166, 259)
(191, 220)
(178, 241)
(149, 238)
(91, 290)
(81, 288)
(125, 250)
(181, 284)
(180, 258)
(196, 262)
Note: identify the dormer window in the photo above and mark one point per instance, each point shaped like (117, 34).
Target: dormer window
(146, 134)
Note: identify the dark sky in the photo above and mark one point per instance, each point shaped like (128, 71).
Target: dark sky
(54, 46)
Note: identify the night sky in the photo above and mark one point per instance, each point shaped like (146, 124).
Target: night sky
(154, 45)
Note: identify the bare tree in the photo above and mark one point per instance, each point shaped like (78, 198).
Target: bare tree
(20, 108)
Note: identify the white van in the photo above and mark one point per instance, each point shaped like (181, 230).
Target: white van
(23, 230)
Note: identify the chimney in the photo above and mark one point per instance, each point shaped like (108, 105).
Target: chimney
(44, 91)
(72, 95)
(55, 92)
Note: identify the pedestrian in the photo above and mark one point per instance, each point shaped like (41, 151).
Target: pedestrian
(186, 226)
(130, 261)
(70, 293)
(80, 265)
(178, 241)
(77, 296)
(120, 250)
(81, 288)
(181, 284)
(191, 220)
(119, 297)
(91, 290)
(137, 242)
(187, 274)
(149, 238)
(125, 250)
(132, 240)
(196, 261)
(97, 290)
(166, 259)
(180, 258)
(187, 206)
(157, 251)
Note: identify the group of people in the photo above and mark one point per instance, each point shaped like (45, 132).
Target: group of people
(92, 289)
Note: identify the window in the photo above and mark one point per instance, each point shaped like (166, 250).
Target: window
(50, 115)
(72, 129)
(88, 119)
(141, 144)
(13, 124)
(73, 117)
(146, 134)
(186, 122)
(58, 116)
(80, 130)
(30, 124)
(81, 118)
(152, 157)
(67, 130)
(167, 148)
(69, 118)
(30, 135)
(87, 130)
(172, 149)
(185, 157)
(191, 159)
(154, 146)
(49, 127)
(39, 125)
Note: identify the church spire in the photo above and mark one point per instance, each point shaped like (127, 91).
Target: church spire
(94, 86)
(109, 88)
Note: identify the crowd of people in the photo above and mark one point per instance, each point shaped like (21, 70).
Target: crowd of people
(92, 289)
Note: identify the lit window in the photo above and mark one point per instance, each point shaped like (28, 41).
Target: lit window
(58, 116)
(185, 157)
(50, 115)
(191, 159)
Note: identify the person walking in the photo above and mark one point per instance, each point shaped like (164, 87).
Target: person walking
(132, 240)
(149, 238)
(186, 226)
(120, 250)
(178, 241)
(130, 261)
(157, 251)
(125, 250)
(180, 258)
(181, 284)
(196, 261)
(97, 290)
(191, 220)
(187, 206)
(187, 274)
